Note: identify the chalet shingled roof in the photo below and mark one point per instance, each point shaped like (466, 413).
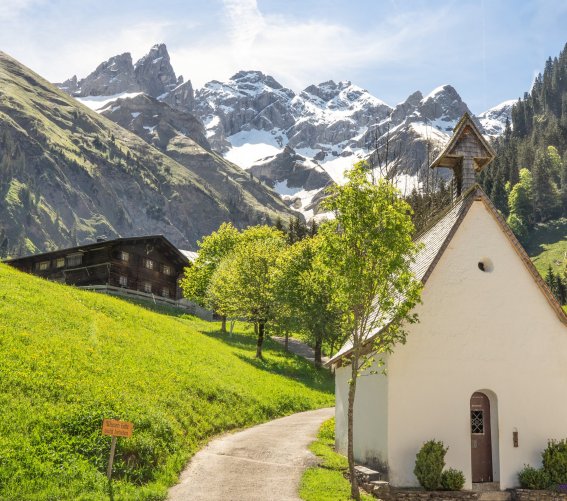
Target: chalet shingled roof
(450, 158)
(179, 256)
(437, 237)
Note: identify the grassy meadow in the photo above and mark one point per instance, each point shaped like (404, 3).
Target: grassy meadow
(69, 358)
(548, 246)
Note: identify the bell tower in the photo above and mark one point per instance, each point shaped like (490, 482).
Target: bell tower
(467, 153)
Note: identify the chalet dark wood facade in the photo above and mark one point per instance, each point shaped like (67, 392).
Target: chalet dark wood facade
(150, 265)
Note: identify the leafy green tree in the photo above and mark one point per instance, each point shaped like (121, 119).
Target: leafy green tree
(303, 285)
(370, 246)
(518, 226)
(241, 285)
(212, 250)
(520, 205)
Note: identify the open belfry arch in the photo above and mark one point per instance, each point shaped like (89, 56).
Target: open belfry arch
(467, 154)
(482, 367)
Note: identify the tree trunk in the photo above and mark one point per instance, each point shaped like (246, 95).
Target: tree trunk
(232, 322)
(256, 328)
(318, 348)
(223, 325)
(261, 326)
(354, 492)
(286, 344)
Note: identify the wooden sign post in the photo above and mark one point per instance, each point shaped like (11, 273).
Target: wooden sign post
(115, 428)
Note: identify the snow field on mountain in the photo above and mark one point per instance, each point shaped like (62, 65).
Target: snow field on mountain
(98, 103)
(251, 146)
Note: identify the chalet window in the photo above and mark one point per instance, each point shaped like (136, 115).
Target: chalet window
(165, 292)
(148, 287)
(149, 264)
(60, 262)
(74, 259)
(167, 270)
(42, 265)
(124, 256)
(123, 280)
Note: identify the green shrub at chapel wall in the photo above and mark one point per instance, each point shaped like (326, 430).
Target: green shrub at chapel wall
(429, 464)
(452, 480)
(533, 478)
(555, 461)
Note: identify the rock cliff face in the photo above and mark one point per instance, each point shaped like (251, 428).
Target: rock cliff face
(181, 97)
(180, 136)
(155, 122)
(299, 180)
(68, 175)
(296, 171)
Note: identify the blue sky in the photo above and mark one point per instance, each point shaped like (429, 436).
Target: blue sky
(489, 50)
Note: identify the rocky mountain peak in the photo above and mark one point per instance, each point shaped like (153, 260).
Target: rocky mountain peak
(154, 72)
(157, 50)
(253, 79)
(443, 103)
(110, 77)
(494, 120)
(441, 109)
(325, 91)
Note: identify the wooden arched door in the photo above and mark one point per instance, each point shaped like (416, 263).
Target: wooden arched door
(481, 438)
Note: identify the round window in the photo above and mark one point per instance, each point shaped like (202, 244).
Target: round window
(485, 265)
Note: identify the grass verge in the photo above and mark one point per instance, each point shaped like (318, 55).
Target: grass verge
(326, 482)
(69, 358)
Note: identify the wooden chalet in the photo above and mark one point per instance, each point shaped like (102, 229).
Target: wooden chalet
(149, 266)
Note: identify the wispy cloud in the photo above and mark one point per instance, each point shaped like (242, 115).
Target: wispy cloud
(392, 47)
(245, 23)
(301, 51)
(10, 9)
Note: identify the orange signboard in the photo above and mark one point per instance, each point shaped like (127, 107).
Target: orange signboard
(116, 428)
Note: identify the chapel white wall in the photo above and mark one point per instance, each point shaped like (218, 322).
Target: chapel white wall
(479, 331)
(370, 416)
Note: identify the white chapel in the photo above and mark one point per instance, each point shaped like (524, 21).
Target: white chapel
(485, 369)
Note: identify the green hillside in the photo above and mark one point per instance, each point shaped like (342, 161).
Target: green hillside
(70, 358)
(547, 246)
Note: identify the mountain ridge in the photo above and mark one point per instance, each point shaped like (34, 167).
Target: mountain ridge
(252, 116)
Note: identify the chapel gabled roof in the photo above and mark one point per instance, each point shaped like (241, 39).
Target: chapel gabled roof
(437, 237)
(448, 157)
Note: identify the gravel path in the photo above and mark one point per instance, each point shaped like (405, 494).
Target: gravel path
(258, 464)
(299, 348)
